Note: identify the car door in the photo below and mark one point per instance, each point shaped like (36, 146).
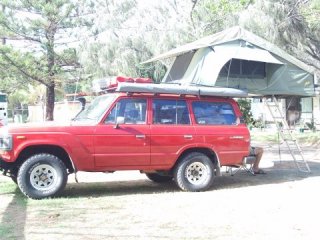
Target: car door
(171, 130)
(125, 145)
(216, 123)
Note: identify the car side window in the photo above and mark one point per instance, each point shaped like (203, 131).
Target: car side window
(170, 112)
(131, 109)
(213, 113)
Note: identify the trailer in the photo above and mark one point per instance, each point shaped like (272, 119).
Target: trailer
(3, 109)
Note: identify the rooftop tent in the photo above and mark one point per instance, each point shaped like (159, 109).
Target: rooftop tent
(239, 59)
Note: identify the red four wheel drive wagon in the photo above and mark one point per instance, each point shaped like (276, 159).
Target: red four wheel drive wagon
(169, 132)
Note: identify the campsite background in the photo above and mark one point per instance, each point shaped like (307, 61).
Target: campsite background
(52, 49)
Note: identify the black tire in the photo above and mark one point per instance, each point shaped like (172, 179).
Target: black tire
(155, 177)
(13, 174)
(42, 175)
(195, 172)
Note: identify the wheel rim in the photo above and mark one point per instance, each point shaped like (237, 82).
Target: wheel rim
(197, 173)
(43, 177)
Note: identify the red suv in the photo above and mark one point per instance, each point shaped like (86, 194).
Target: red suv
(184, 136)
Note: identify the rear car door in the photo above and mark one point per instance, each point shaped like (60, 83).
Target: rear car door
(216, 122)
(171, 130)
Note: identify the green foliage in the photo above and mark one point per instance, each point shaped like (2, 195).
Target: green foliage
(154, 71)
(213, 16)
(125, 40)
(114, 37)
(311, 12)
(245, 107)
(225, 6)
(288, 24)
(311, 126)
(45, 28)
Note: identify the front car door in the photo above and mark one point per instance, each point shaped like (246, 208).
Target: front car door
(126, 145)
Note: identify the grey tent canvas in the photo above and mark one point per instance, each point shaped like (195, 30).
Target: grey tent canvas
(237, 58)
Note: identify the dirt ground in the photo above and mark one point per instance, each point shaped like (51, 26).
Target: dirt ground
(282, 204)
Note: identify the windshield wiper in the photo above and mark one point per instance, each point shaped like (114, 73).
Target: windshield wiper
(83, 118)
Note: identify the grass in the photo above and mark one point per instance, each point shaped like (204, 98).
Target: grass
(12, 201)
(311, 138)
(124, 209)
(7, 231)
(306, 138)
(137, 209)
(7, 187)
(81, 207)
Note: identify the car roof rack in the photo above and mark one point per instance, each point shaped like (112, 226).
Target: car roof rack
(180, 89)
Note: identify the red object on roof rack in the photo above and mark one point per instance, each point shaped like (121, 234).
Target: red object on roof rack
(112, 84)
(79, 94)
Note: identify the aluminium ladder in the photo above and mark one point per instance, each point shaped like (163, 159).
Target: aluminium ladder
(286, 134)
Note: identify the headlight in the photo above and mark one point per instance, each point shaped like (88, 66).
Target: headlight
(5, 143)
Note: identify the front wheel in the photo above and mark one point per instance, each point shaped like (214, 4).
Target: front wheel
(195, 172)
(42, 175)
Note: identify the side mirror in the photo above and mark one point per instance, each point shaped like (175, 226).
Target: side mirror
(119, 120)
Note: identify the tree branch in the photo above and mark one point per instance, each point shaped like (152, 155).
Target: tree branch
(24, 36)
(21, 69)
(194, 3)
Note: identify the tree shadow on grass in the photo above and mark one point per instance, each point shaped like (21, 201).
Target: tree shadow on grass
(279, 173)
(117, 188)
(14, 217)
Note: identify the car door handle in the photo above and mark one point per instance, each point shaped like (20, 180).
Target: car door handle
(141, 136)
(188, 136)
(237, 137)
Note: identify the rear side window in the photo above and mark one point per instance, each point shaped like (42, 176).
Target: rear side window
(133, 111)
(170, 112)
(213, 113)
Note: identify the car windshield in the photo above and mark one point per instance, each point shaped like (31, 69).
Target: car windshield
(95, 111)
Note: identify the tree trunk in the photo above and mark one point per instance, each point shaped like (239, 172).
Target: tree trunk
(3, 38)
(51, 72)
(50, 102)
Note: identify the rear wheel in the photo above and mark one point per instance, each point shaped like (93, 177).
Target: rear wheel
(155, 177)
(195, 172)
(42, 175)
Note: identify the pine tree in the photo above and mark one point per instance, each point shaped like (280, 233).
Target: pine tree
(37, 33)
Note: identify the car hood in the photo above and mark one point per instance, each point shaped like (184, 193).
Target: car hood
(43, 127)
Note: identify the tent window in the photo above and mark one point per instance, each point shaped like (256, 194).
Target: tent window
(3, 98)
(306, 105)
(179, 67)
(244, 68)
